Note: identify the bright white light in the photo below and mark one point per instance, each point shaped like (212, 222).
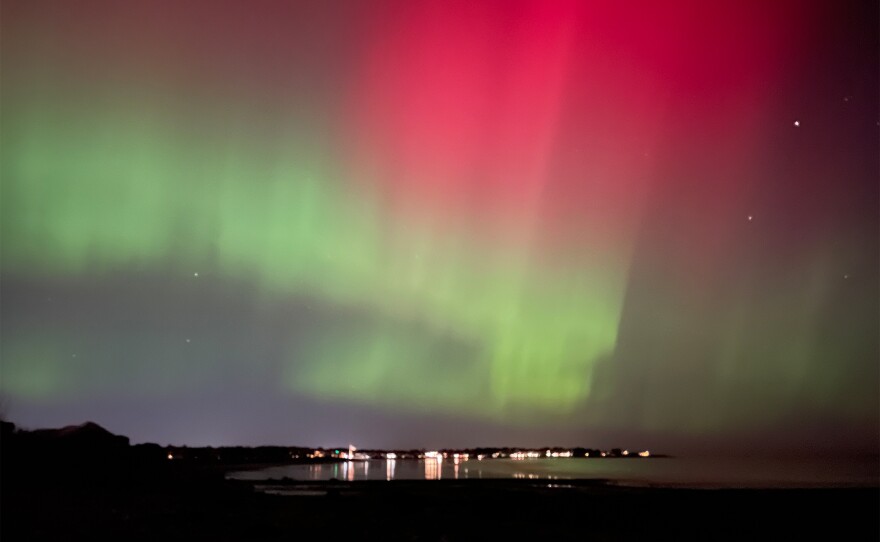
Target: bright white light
(391, 455)
(646, 453)
(797, 123)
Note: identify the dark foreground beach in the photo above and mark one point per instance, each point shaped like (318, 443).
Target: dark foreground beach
(203, 506)
(52, 491)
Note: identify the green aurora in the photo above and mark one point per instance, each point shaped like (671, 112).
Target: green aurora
(599, 240)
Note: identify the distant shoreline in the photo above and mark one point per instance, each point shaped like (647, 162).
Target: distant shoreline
(84, 483)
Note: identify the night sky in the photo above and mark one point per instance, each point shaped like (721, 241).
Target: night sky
(427, 224)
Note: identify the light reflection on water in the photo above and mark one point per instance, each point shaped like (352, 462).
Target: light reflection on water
(665, 471)
(433, 468)
(389, 469)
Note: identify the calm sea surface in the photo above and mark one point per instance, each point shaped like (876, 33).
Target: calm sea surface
(673, 472)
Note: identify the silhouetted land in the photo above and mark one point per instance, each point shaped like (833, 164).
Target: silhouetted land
(85, 483)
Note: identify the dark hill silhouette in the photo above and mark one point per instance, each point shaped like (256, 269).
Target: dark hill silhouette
(86, 435)
(75, 451)
(88, 442)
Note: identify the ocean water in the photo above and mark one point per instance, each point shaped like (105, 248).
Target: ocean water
(666, 472)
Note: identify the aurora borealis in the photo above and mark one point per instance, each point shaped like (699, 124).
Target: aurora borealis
(392, 222)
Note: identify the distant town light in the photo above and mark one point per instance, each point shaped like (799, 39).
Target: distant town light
(391, 455)
(170, 456)
(646, 453)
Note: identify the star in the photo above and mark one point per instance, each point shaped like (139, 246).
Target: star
(797, 123)
(187, 340)
(196, 275)
(750, 218)
(846, 276)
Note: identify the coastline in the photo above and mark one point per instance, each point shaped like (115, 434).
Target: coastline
(87, 484)
(449, 510)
